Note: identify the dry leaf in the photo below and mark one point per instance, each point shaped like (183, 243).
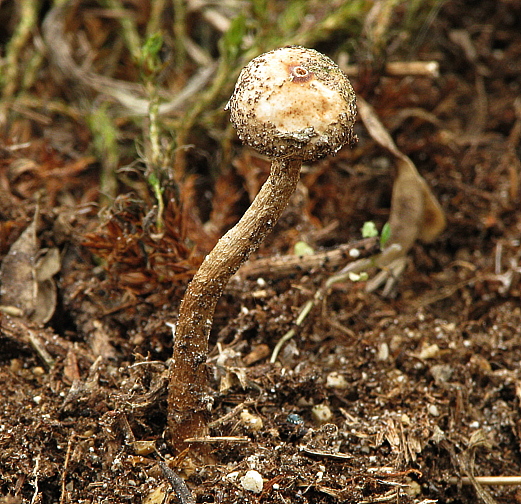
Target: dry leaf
(411, 194)
(415, 211)
(27, 287)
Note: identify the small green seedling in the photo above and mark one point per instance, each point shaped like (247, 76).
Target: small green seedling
(301, 248)
(386, 234)
(369, 230)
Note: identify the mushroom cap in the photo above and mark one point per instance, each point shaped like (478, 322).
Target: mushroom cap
(293, 102)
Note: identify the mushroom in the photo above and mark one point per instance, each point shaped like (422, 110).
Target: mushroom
(292, 104)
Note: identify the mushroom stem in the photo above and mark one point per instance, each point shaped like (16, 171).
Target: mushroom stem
(188, 404)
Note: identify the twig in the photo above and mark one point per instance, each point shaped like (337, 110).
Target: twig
(180, 35)
(156, 15)
(287, 265)
(35, 484)
(63, 477)
(178, 485)
(487, 480)
(40, 349)
(230, 414)
(402, 68)
(148, 363)
(325, 454)
(218, 439)
(301, 317)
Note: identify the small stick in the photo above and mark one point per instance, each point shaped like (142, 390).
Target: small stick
(35, 484)
(40, 349)
(287, 265)
(403, 68)
(177, 483)
(21, 36)
(218, 439)
(304, 312)
(487, 480)
(63, 478)
(235, 411)
(324, 454)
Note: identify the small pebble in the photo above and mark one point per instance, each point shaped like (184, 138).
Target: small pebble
(405, 419)
(144, 447)
(433, 410)
(336, 380)
(413, 488)
(383, 352)
(252, 422)
(321, 413)
(431, 352)
(441, 373)
(252, 482)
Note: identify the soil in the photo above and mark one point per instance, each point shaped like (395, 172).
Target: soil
(409, 398)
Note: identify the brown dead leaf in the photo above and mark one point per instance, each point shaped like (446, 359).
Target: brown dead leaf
(26, 274)
(415, 211)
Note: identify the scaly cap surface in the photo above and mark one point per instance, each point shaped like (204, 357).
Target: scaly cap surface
(293, 102)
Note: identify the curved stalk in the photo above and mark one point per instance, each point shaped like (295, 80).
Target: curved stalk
(188, 402)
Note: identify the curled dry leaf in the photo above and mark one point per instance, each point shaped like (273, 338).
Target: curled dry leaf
(26, 276)
(415, 212)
